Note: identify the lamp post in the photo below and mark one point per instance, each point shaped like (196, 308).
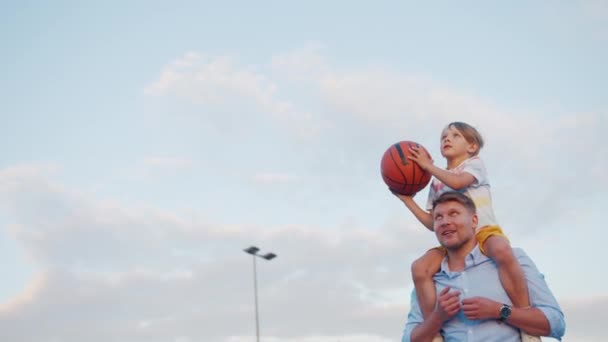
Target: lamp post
(253, 250)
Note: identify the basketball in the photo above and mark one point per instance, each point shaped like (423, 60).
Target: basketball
(403, 176)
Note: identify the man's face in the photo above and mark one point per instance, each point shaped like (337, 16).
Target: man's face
(454, 225)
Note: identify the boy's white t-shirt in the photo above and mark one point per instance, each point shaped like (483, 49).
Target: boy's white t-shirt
(479, 191)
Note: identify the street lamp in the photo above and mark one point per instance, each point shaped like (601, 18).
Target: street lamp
(253, 250)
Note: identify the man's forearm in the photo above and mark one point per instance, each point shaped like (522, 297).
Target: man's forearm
(530, 320)
(426, 330)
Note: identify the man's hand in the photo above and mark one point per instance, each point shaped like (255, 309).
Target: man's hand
(448, 304)
(477, 308)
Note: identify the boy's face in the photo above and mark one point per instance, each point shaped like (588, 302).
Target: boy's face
(454, 144)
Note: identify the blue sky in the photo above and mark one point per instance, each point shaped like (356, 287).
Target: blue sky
(144, 144)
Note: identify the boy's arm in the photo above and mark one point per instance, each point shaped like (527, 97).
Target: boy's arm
(423, 216)
(454, 181)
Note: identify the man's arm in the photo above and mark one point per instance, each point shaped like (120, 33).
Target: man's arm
(530, 320)
(544, 318)
(541, 297)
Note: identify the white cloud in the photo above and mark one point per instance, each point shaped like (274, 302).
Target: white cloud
(126, 273)
(218, 81)
(144, 275)
(361, 110)
(345, 338)
(303, 64)
(585, 316)
(168, 162)
(595, 9)
(273, 178)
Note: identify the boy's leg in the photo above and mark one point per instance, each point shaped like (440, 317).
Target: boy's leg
(511, 275)
(423, 270)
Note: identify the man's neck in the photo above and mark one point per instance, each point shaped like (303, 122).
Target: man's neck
(457, 257)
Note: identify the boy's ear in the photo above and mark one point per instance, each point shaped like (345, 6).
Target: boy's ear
(473, 148)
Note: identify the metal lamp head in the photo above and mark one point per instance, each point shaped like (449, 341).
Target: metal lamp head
(252, 250)
(269, 256)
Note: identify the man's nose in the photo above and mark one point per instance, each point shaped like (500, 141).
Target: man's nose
(445, 222)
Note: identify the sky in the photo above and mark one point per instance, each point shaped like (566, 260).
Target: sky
(145, 144)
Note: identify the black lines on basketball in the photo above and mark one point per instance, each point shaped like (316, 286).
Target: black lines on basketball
(398, 168)
(402, 156)
(413, 172)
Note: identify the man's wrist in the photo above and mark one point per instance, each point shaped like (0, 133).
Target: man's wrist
(504, 313)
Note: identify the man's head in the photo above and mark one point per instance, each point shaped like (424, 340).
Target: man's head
(454, 220)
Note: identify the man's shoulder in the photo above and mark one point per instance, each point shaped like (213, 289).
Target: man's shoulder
(519, 252)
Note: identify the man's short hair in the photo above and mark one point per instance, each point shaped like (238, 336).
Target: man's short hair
(454, 196)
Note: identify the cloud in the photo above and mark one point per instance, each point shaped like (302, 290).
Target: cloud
(595, 9)
(303, 64)
(372, 103)
(347, 338)
(168, 162)
(532, 157)
(218, 81)
(585, 319)
(120, 272)
(126, 272)
(273, 178)
(142, 274)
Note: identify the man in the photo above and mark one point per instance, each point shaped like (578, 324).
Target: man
(471, 302)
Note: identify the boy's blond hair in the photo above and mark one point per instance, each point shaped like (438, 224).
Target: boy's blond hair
(470, 133)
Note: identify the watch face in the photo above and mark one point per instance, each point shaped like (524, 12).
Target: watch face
(505, 312)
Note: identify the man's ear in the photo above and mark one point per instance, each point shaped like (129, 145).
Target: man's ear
(475, 220)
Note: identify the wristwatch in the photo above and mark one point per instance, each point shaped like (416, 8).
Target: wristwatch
(505, 312)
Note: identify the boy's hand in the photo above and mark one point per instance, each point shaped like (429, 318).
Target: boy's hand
(421, 157)
(403, 198)
(477, 308)
(448, 304)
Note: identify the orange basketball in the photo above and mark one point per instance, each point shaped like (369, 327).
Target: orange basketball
(403, 176)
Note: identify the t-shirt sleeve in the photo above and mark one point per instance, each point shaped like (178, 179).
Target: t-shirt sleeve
(475, 167)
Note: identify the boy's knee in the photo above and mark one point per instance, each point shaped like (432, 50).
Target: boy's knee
(502, 252)
(421, 271)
